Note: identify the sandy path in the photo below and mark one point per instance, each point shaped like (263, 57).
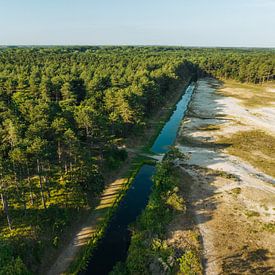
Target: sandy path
(232, 200)
(86, 230)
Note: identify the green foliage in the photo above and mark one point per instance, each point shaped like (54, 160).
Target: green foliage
(114, 157)
(9, 264)
(55, 241)
(243, 65)
(119, 269)
(189, 264)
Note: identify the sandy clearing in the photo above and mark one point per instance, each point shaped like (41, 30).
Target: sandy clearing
(232, 200)
(271, 90)
(219, 106)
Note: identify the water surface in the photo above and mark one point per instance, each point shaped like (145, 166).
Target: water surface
(169, 132)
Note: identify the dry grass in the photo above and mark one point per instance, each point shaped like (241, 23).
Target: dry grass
(270, 227)
(252, 96)
(255, 146)
(209, 127)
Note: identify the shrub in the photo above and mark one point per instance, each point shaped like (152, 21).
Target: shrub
(189, 263)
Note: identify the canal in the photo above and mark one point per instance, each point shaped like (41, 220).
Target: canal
(114, 245)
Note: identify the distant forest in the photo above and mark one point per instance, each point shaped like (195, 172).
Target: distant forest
(65, 111)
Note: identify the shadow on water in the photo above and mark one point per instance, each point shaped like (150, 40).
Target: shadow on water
(114, 245)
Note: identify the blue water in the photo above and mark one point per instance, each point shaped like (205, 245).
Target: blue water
(169, 132)
(113, 247)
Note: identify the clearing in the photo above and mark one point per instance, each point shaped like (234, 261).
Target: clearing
(229, 134)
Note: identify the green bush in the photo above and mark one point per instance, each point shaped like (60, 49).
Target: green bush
(114, 157)
(189, 263)
(9, 264)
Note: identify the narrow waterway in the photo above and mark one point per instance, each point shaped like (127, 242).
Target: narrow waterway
(169, 132)
(114, 245)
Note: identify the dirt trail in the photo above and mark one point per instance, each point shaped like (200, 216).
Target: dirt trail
(233, 202)
(86, 230)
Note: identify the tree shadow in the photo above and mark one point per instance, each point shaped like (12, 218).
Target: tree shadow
(205, 201)
(247, 262)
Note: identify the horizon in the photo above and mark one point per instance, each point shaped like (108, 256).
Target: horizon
(219, 24)
(129, 45)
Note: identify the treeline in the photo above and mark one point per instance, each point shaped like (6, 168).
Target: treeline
(241, 64)
(244, 65)
(62, 114)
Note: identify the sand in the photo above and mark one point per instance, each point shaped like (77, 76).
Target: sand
(233, 202)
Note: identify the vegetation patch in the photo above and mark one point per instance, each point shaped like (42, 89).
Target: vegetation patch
(270, 227)
(236, 191)
(255, 146)
(225, 175)
(189, 264)
(251, 214)
(209, 127)
(251, 96)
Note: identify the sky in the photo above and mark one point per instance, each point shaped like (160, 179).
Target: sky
(226, 23)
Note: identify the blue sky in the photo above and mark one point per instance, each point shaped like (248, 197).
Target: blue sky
(229, 23)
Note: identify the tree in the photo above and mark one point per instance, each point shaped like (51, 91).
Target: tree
(36, 149)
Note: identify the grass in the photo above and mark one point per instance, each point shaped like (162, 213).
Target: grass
(255, 146)
(270, 227)
(209, 127)
(251, 95)
(251, 214)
